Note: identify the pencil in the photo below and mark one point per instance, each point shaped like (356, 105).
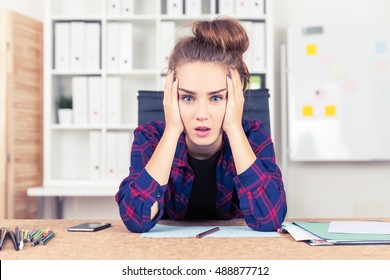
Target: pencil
(207, 232)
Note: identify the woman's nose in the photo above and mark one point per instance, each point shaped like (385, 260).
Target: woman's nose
(202, 111)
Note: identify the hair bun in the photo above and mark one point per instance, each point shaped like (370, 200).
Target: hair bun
(225, 33)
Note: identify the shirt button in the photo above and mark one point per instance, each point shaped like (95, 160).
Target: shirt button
(158, 194)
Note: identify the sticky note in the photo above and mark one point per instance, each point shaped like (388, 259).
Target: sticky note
(324, 59)
(311, 49)
(382, 66)
(381, 47)
(330, 110)
(350, 85)
(338, 71)
(307, 111)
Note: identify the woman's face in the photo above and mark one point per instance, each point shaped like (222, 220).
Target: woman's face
(202, 93)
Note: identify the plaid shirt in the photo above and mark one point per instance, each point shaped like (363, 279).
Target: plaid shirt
(261, 197)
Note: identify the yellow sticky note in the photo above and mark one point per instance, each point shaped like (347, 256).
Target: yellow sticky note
(307, 111)
(311, 49)
(330, 110)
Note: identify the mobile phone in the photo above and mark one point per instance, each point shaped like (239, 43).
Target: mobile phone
(92, 226)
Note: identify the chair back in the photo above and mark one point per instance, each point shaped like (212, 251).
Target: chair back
(256, 107)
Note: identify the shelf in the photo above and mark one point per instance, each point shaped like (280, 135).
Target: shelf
(130, 18)
(83, 72)
(74, 127)
(135, 72)
(70, 189)
(76, 18)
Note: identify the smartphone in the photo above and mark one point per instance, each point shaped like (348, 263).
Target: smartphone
(89, 227)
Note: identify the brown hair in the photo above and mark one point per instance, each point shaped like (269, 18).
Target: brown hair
(222, 41)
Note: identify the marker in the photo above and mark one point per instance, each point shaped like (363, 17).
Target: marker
(207, 232)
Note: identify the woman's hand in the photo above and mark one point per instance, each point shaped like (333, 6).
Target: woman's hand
(171, 105)
(235, 103)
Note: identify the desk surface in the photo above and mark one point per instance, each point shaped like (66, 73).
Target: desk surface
(116, 243)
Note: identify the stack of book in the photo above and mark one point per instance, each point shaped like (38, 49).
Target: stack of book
(339, 232)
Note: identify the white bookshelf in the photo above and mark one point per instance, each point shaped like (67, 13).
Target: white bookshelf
(66, 152)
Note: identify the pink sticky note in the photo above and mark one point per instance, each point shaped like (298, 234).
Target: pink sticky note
(382, 66)
(350, 85)
(324, 59)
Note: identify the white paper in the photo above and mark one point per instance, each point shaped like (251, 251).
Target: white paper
(360, 227)
(162, 231)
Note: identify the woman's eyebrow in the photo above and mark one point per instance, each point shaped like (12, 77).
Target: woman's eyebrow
(209, 93)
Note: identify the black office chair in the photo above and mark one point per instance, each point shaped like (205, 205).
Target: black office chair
(150, 106)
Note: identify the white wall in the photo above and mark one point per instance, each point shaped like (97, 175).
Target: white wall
(31, 8)
(331, 189)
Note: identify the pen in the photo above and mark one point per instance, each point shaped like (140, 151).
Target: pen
(207, 232)
(4, 231)
(282, 230)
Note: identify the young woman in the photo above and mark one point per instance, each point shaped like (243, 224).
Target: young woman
(204, 161)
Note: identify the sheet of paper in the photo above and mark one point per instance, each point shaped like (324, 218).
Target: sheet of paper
(361, 227)
(298, 233)
(321, 230)
(161, 231)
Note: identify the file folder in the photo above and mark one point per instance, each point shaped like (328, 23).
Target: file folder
(62, 45)
(77, 45)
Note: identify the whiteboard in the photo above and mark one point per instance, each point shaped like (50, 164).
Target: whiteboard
(338, 93)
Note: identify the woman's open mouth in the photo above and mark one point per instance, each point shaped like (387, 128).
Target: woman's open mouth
(202, 131)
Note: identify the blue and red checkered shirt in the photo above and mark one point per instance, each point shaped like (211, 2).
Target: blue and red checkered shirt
(261, 197)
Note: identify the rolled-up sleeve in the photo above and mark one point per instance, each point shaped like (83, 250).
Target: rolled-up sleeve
(260, 188)
(139, 191)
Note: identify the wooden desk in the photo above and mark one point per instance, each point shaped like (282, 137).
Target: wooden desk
(117, 243)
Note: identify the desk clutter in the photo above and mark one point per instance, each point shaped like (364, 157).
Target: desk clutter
(340, 232)
(22, 237)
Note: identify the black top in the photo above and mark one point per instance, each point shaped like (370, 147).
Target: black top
(202, 202)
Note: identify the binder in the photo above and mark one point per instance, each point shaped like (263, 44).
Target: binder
(193, 7)
(62, 45)
(113, 29)
(80, 100)
(94, 155)
(127, 7)
(258, 46)
(113, 100)
(226, 7)
(77, 42)
(123, 154)
(167, 40)
(113, 7)
(175, 7)
(242, 7)
(257, 7)
(94, 98)
(126, 46)
(92, 46)
(248, 55)
(111, 172)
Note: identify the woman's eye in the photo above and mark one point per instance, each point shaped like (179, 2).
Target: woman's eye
(187, 98)
(216, 98)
